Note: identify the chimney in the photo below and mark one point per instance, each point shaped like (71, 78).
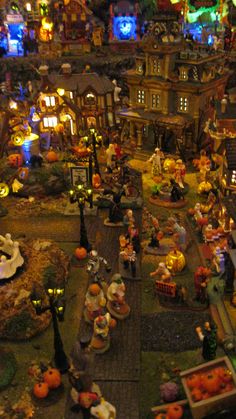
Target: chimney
(223, 104)
(66, 69)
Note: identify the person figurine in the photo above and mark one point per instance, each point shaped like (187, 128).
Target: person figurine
(155, 159)
(115, 215)
(94, 265)
(94, 303)
(218, 261)
(128, 219)
(81, 364)
(179, 173)
(116, 303)
(100, 342)
(103, 410)
(176, 193)
(133, 238)
(197, 211)
(162, 273)
(209, 340)
(179, 233)
(117, 91)
(201, 279)
(111, 156)
(128, 257)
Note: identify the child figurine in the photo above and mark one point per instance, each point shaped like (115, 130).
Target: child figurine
(209, 340)
(116, 303)
(100, 342)
(155, 159)
(162, 273)
(94, 303)
(128, 257)
(179, 173)
(94, 265)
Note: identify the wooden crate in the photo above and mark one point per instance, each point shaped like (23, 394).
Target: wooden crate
(214, 403)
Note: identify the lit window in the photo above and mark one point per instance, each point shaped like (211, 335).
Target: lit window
(183, 104)
(28, 7)
(183, 74)
(141, 96)
(233, 179)
(90, 99)
(71, 95)
(50, 101)
(50, 122)
(156, 66)
(155, 101)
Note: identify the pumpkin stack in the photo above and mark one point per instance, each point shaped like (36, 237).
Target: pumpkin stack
(51, 381)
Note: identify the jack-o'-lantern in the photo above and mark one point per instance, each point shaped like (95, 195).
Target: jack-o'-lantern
(18, 138)
(52, 156)
(169, 165)
(15, 160)
(41, 390)
(175, 261)
(4, 190)
(52, 377)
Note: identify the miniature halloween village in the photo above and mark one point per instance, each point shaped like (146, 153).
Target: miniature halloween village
(118, 209)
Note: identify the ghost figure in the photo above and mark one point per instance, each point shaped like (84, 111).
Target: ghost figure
(117, 91)
(104, 410)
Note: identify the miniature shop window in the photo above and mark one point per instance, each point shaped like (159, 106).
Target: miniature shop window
(50, 101)
(156, 66)
(183, 104)
(141, 96)
(50, 122)
(155, 101)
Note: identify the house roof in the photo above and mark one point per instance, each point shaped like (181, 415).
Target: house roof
(82, 82)
(173, 120)
(82, 5)
(230, 146)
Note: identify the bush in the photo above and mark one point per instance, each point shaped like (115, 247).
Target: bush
(18, 325)
(8, 368)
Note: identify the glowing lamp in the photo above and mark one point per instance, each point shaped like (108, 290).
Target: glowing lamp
(71, 192)
(80, 186)
(89, 191)
(60, 308)
(36, 301)
(61, 92)
(13, 105)
(18, 138)
(4, 190)
(28, 7)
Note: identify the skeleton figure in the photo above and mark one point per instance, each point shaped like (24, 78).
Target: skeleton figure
(94, 265)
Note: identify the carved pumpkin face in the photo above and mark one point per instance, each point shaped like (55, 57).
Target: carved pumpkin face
(18, 138)
(4, 190)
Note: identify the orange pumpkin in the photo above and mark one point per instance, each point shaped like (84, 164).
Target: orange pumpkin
(112, 324)
(52, 377)
(193, 381)
(196, 395)
(41, 390)
(211, 382)
(15, 160)
(191, 211)
(96, 181)
(205, 395)
(175, 411)
(80, 253)
(52, 156)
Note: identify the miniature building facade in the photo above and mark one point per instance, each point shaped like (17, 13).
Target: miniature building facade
(77, 101)
(172, 86)
(123, 21)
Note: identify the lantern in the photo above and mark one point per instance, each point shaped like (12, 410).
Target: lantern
(175, 261)
(36, 301)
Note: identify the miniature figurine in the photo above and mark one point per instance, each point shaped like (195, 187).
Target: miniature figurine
(176, 193)
(155, 159)
(94, 265)
(179, 233)
(133, 238)
(111, 156)
(128, 257)
(103, 410)
(162, 273)
(94, 302)
(115, 215)
(201, 279)
(100, 342)
(179, 173)
(116, 303)
(218, 261)
(209, 340)
(117, 91)
(82, 360)
(128, 219)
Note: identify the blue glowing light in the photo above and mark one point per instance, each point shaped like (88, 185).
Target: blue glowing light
(124, 27)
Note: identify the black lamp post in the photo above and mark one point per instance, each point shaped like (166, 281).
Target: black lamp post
(80, 194)
(94, 140)
(57, 308)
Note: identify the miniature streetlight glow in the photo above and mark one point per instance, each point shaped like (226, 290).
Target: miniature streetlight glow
(28, 7)
(60, 91)
(13, 105)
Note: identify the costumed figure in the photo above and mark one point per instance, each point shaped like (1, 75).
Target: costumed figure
(94, 302)
(163, 274)
(218, 261)
(155, 159)
(133, 238)
(100, 342)
(201, 279)
(179, 173)
(94, 265)
(209, 340)
(111, 157)
(103, 410)
(116, 303)
(128, 257)
(179, 233)
(128, 219)
(175, 193)
(115, 215)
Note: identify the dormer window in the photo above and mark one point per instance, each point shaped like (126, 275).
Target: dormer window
(90, 99)
(183, 73)
(156, 66)
(50, 101)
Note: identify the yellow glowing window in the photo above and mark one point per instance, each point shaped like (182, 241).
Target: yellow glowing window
(156, 66)
(141, 96)
(64, 17)
(73, 17)
(50, 122)
(50, 101)
(155, 101)
(183, 104)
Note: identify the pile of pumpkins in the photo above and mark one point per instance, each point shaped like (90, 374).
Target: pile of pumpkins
(51, 381)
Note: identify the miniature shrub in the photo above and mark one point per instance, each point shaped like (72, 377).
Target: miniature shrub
(18, 325)
(8, 368)
(49, 273)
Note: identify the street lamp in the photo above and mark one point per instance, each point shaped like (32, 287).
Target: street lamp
(56, 306)
(82, 194)
(93, 139)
